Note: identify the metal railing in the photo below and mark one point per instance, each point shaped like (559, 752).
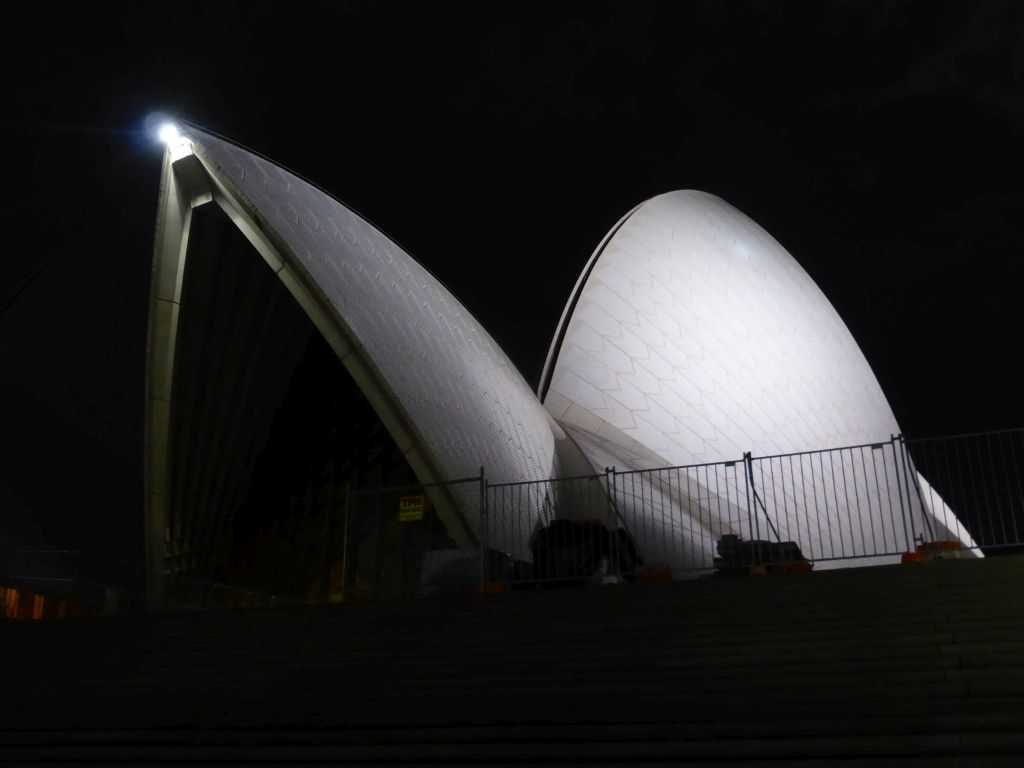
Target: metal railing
(557, 530)
(852, 505)
(842, 504)
(974, 486)
(397, 541)
(855, 505)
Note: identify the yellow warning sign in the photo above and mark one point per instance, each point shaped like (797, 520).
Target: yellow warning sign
(410, 508)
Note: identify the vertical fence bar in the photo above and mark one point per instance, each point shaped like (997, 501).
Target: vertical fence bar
(483, 529)
(846, 501)
(971, 488)
(968, 487)
(665, 514)
(668, 532)
(924, 467)
(613, 521)
(856, 501)
(379, 516)
(727, 523)
(835, 502)
(764, 500)
(824, 499)
(878, 492)
(1016, 482)
(631, 494)
(948, 489)
(998, 503)
(908, 535)
(796, 502)
(892, 510)
(957, 490)
(775, 498)
(911, 483)
(344, 541)
(674, 505)
(976, 481)
(616, 510)
(750, 508)
(807, 507)
(688, 514)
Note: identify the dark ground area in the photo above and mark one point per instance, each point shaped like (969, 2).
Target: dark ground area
(903, 665)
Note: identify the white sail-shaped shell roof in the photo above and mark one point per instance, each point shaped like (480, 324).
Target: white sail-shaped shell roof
(467, 403)
(447, 393)
(693, 337)
(695, 334)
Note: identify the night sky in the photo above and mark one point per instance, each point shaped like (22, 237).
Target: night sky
(880, 143)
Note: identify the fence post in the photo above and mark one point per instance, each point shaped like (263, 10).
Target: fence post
(616, 518)
(483, 529)
(344, 540)
(912, 479)
(608, 486)
(748, 474)
(325, 581)
(899, 492)
(613, 520)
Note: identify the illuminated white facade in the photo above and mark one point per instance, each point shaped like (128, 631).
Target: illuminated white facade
(694, 337)
(691, 337)
(449, 396)
(698, 337)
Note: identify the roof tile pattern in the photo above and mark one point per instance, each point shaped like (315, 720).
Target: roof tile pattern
(695, 338)
(697, 335)
(466, 400)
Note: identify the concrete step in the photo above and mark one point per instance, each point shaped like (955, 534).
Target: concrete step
(331, 706)
(995, 655)
(459, 664)
(834, 584)
(621, 639)
(629, 600)
(849, 726)
(781, 620)
(526, 750)
(698, 684)
(868, 665)
(580, 659)
(604, 650)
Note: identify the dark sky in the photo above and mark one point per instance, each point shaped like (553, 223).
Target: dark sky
(878, 142)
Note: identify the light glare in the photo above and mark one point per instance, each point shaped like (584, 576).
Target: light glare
(168, 133)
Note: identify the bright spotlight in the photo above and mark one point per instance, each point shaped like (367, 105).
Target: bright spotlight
(168, 132)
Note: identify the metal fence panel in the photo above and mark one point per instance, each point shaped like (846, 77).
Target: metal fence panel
(391, 543)
(973, 486)
(676, 515)
(839, 504)
(851, 505)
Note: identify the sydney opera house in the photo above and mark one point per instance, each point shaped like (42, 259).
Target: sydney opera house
(294, 349)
